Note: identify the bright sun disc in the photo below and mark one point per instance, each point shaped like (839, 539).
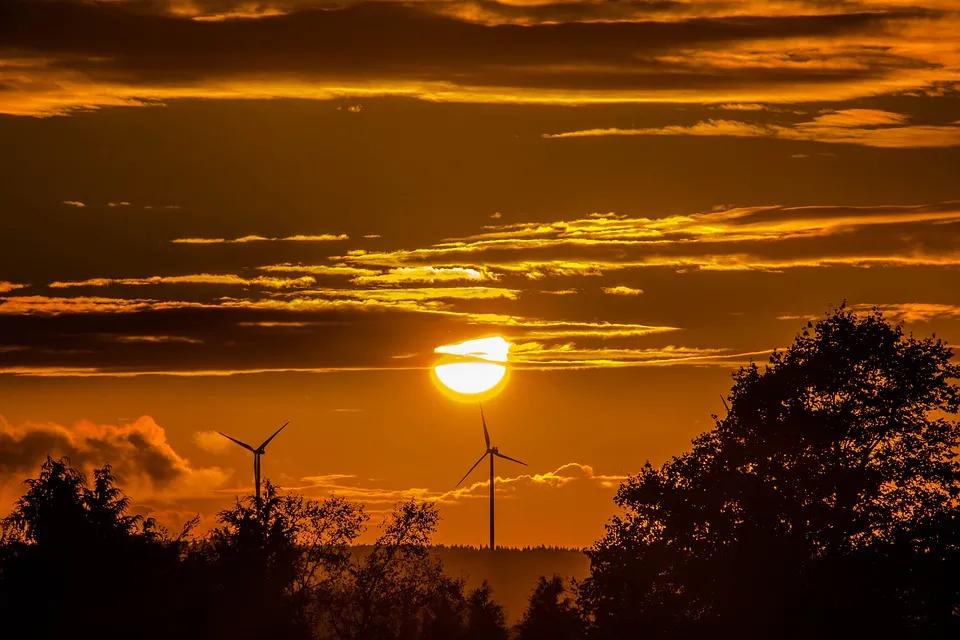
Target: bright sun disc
(472, 367)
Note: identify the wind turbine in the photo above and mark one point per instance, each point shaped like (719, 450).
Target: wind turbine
(259, 451)
(493, 452)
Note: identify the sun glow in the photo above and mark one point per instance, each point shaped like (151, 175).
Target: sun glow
(473, 367)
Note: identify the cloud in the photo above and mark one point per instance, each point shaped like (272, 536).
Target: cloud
(622, 290)
(512, 487)
(141, 456)
(74, 203)
(770, 238)
(156, 339)
(320, 269)
(539, 329)
(278, 324)
(210, 441)
(420, 300)
(913, 311)
(426, 274)
(121, 53)
(6, 287)
(199, 278)
(743, 106)
(865, 127)
(101, 372)
(366, 491)
(705, 128)
(553, 333)
(416, 294)
(854, 118)
(54, 305)
(570, 355)
(322, 237)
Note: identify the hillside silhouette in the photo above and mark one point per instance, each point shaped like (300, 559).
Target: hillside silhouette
(823, 504)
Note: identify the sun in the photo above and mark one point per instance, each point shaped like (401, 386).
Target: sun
(472, 368)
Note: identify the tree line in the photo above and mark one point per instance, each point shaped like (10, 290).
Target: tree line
(823, 504)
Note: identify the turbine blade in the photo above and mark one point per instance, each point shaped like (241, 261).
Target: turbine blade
(510, 459)
(267, 441)
(725, 405)
(242, 444)
(486, 434)
(471, 469)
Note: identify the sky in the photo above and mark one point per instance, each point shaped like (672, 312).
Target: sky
(222, 215)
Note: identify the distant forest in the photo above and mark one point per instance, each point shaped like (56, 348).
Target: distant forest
(823, 504)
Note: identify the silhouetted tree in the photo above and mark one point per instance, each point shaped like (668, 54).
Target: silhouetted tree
(73, 560)
(397, 591)
(485, 618)
(265, 569)
(824, 504)
(551, 614)
(382, 594)
(75, 563)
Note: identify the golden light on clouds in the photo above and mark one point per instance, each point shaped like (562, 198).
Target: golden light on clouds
(473, 369)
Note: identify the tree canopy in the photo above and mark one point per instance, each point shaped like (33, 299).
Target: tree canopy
(824, 502)
(73, 560)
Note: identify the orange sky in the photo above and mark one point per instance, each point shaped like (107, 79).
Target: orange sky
(221, 215)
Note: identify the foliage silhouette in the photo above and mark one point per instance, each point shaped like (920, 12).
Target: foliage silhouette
(552, 614)
(72, 558)
(485, 618)
(397, 591)
(263, 569)
(73, 561)
(824, 504)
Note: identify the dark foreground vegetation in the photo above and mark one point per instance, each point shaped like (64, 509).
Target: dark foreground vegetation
(824, 504)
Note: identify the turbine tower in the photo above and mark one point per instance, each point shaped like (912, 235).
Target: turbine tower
(493, 452)
(259, 451)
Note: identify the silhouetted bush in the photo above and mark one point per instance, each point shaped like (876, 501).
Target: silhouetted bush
(824, 504)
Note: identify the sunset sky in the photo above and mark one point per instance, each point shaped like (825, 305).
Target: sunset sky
(221, 215)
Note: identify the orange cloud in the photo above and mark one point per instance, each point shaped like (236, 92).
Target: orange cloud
(428, 294)
(735, 239)
(320, 269)
(913, 311)
(866, 127)
(199, 278)
(6, 287)
(157, 339)
(567, 52)
(622, 290)
(323, 237)
(52, 305)
(354, 488)
(569, 355)
(141, 456)
(426, 274)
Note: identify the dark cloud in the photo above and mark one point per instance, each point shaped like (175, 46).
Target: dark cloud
(399, 42)
(138, 450)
